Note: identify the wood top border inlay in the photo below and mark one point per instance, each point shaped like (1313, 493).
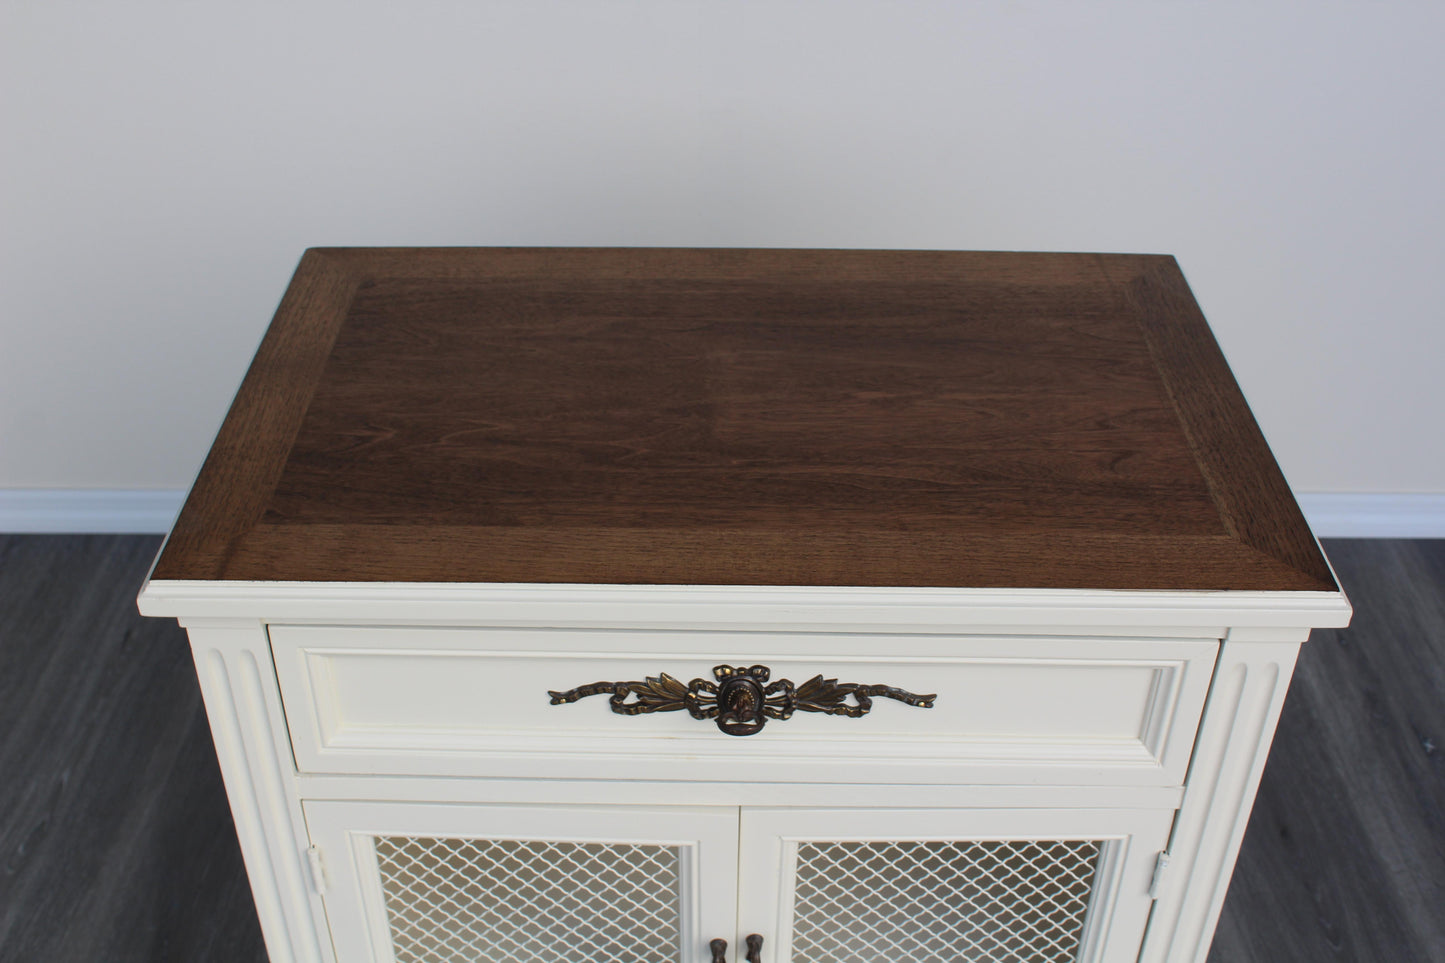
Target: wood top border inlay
(222, 533)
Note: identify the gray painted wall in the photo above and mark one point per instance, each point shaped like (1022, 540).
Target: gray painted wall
(162, 166)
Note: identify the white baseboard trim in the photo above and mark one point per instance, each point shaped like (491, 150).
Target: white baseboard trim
(1348, 515)
(89, 510)
(1331, 514)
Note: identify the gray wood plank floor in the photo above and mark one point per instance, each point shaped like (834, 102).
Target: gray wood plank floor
(116, 843)
(1345, 854)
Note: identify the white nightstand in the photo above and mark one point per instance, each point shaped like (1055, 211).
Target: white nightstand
(893, 605)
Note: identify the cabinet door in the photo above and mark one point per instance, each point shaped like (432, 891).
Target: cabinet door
(932, 885)
(542, 884)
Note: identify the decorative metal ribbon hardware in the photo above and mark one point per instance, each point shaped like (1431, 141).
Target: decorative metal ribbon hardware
(741, 700)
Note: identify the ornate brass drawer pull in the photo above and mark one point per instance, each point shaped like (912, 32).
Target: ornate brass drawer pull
(741, 700)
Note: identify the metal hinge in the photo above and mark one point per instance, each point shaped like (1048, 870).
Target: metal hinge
(318, 872)
(1161, 865)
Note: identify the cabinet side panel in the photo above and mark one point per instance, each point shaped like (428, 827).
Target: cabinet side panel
(244, 711)
(1249, 688)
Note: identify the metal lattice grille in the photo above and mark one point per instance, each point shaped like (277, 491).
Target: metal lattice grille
(526, 900)
(1000, 902)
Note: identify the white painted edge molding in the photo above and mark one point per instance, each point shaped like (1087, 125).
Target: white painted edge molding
(742, 607)
(58, 510)
(1330, 514)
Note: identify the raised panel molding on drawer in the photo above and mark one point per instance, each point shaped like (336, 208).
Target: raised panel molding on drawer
(410, 701)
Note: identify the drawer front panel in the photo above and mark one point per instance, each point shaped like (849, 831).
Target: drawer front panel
(449, 701)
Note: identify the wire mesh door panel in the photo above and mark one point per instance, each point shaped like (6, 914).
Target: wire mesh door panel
(949, 886)
(418, 883)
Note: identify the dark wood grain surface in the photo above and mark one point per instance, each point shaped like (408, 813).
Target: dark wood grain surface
(116, 843)
(743, 417)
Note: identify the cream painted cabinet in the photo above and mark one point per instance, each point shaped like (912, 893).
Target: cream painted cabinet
(571, 605)
(412, 791)
(853, 881)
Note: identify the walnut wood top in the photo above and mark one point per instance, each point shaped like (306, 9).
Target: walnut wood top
(742, 417)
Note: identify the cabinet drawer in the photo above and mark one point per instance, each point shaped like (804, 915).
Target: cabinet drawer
(474, 701)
